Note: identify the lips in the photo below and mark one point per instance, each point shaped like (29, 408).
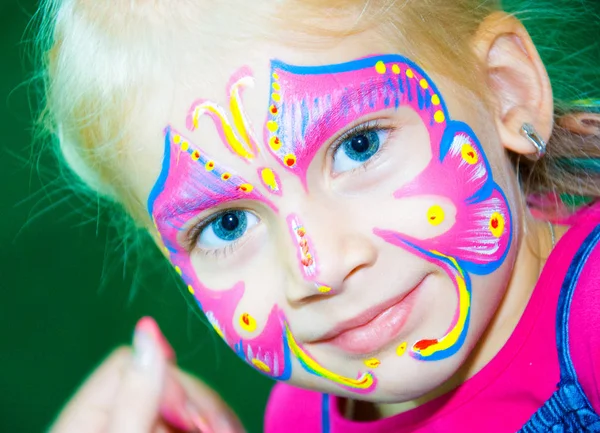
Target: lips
(373, 329)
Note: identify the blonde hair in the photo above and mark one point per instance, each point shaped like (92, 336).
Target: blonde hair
(101, 59)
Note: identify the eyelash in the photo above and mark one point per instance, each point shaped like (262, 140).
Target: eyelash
(191, 238)
(370, 126)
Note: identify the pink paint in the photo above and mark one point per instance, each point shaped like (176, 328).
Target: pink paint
(305, 250)
(189, 184)
(477, 199)
(310, 105)
(193, 182)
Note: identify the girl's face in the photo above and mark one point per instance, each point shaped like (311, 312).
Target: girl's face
(334, 213)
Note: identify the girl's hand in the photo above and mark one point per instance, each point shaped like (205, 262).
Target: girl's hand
(142, 391)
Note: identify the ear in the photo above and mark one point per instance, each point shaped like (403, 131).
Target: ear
(518, 81)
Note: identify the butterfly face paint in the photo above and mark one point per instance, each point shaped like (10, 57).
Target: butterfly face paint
(309, 105)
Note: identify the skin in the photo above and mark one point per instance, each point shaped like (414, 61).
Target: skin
(341, 211)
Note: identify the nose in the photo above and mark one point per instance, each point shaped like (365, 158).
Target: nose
(328, 255)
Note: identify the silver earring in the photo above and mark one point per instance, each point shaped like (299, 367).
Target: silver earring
(534, 138)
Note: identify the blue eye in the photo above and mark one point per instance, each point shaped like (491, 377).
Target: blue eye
(357, 149)
(226, 228)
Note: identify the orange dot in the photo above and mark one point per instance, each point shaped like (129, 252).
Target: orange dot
(497, 224)
(195, 155)
(209, 166)
(273, 109)
(469, 154)
(290, 160)
(435, 215)
(372, 363)
(247, 322)
(246, 187)
(275, 143)
(226, 176)
(301, 232)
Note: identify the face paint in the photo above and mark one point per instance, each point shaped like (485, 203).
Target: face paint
(304, 246)
(190, 182)
(309, 105)
(270, 180)
(363, 384)
(238, 137)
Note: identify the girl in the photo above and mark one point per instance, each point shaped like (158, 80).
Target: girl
(346, 189)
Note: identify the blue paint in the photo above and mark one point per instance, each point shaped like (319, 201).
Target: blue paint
(159, 186)
(325, 414)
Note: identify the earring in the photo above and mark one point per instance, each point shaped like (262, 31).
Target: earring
(529, 132)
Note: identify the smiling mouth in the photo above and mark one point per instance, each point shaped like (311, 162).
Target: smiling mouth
(375, 328)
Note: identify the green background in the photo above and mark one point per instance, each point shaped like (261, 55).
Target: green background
(66, 299)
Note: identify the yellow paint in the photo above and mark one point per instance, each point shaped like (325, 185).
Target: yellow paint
(276, 97)
(290, 160)
(401, 350)
(247, 322)
(178, 270)
(380, 67)
(424, 83)
(396, 69)
(275, 143)
(435, 215)
(324, 289)
(246, 187)
(226, 128)
(272, 126)
(226, 176)
(275, 76)
(209, 166)
(276, 87)
(372, 363)
(269, 179)
(261, 365)
(177, 139)
(439, 116)
(239, 120)
(195, 155)
(452, 260)
(469, 154)
(191, 290)
(435, 100)
(497, 220)
(365, 381)
(185, 146)
(464, 303)
(410, 73)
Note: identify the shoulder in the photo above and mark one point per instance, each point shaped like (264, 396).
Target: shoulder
(584, 316)
(291, 409)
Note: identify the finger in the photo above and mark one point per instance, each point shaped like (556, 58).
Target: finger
(87, 411)
(207, 409)
(135, 408)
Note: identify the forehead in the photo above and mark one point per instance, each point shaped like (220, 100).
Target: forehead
(209, 78)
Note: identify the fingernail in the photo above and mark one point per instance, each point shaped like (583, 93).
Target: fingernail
(144, 349)
(149, 326)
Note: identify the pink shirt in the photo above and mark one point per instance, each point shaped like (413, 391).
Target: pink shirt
(507, 391)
